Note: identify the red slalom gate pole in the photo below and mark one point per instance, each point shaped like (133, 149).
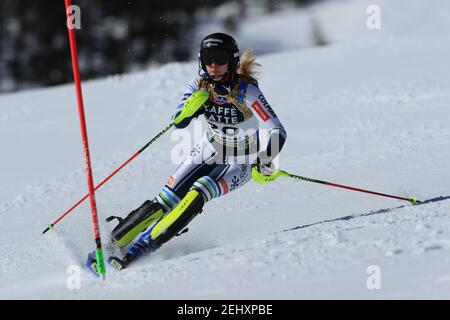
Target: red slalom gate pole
(84, 137)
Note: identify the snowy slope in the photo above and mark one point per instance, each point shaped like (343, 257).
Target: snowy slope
(371, 113)
(327, 260)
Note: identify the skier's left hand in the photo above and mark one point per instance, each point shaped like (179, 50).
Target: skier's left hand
(192, 106)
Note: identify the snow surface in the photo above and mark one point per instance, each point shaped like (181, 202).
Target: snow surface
(370, 111)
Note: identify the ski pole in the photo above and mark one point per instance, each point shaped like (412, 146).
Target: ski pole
(50, 226)
(263, 179)
(84, 138)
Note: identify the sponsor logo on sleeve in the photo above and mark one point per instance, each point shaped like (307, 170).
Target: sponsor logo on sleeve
(224, 185)
(260, 111)
(267, 106)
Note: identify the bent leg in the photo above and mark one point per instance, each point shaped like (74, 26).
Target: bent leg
(221, 180)
(199, 163)
(183, 197)
(193, 167)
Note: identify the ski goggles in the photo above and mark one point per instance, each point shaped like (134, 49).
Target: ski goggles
(217, 56)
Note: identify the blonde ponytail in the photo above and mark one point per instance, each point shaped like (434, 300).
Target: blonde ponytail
(248, 67)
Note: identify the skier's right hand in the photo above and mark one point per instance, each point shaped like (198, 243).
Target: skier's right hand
(264, 171)
(191, 108)
(264, 165)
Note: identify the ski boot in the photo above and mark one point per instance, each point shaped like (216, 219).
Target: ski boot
(173, 224)
(136, 222)
(144, 245)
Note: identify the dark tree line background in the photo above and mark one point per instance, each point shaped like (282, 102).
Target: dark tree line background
(116, 36)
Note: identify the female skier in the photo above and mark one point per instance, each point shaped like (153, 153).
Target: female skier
(232, 150)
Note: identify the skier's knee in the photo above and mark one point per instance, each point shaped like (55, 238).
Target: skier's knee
(168, 198)
(207, 187)
(179, 217)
